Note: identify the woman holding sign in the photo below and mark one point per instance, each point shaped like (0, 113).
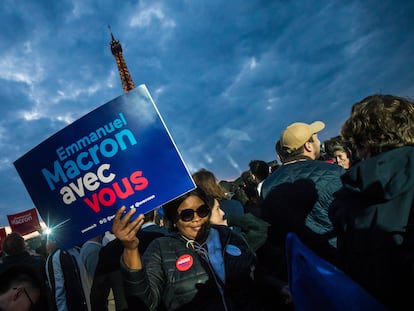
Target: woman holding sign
(199, 266)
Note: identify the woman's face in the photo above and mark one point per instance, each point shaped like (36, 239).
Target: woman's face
(217, 214)
(342, 159)
(191, 228)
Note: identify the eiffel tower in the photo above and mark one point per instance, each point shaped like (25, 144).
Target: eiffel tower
(116, 49)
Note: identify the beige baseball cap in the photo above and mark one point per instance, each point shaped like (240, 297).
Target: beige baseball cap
(298, 133)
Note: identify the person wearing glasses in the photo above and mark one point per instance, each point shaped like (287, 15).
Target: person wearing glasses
(21, 290)
(198, 266)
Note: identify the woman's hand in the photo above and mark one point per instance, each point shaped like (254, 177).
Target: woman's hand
(125, 230)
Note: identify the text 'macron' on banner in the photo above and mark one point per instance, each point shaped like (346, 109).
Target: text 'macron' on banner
(119, 154)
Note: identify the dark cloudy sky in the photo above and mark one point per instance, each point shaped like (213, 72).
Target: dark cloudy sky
(227, 76)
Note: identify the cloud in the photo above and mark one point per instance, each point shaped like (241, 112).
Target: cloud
(227, 76)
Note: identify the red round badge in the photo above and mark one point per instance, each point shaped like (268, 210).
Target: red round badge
(184, 262)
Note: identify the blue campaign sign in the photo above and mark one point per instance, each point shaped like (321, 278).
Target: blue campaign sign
(119, 154)
(317, 285)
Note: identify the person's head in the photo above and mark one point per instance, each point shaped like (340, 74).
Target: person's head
(301, 139)
(20, 289)
(207, 181)
(259, 170)
(14, 244)
(217, 214)
(189, 213)
(327, 146)
(379, 123)
(341, 156)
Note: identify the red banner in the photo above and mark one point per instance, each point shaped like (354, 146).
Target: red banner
(3, 234)
(24, 222)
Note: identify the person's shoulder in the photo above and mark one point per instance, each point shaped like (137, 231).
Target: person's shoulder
(271, 180)
(165, 243)
(327, 166)
(36, 259)
(170, 237)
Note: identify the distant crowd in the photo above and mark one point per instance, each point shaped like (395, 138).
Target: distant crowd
(223, 246)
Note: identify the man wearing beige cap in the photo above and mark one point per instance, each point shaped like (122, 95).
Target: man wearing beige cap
(296, 196)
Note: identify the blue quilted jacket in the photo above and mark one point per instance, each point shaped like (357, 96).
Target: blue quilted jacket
(297, 197)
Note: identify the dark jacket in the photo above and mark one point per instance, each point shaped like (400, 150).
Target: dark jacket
(296, 199)
(108, 273)
(253, 229)
(178, 278)
(374, 217)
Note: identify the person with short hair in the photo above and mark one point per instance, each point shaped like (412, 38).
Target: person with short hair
(260, 171)
(373, 213)
(296, 197)
(21, 289)
(15, 252)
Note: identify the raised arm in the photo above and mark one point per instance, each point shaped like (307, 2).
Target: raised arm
(126, 231)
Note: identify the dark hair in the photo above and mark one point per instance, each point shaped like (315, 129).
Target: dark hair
(380, 123)
(259, 168)
(18, 273)
(24, 274)
(170, 208)
(14, 244)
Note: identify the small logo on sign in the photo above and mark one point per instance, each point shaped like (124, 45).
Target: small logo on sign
(184, 262)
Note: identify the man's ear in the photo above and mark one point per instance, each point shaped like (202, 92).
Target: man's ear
(308, 146)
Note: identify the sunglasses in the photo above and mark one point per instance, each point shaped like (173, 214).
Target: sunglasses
(188, 214)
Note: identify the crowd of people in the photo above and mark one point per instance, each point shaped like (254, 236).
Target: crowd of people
(222, 246)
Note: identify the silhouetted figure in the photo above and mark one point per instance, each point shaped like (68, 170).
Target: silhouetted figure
(373, 212)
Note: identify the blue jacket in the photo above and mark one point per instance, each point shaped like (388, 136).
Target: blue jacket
(296, 199)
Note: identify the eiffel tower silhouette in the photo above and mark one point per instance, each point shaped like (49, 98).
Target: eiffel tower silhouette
(116, 49)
